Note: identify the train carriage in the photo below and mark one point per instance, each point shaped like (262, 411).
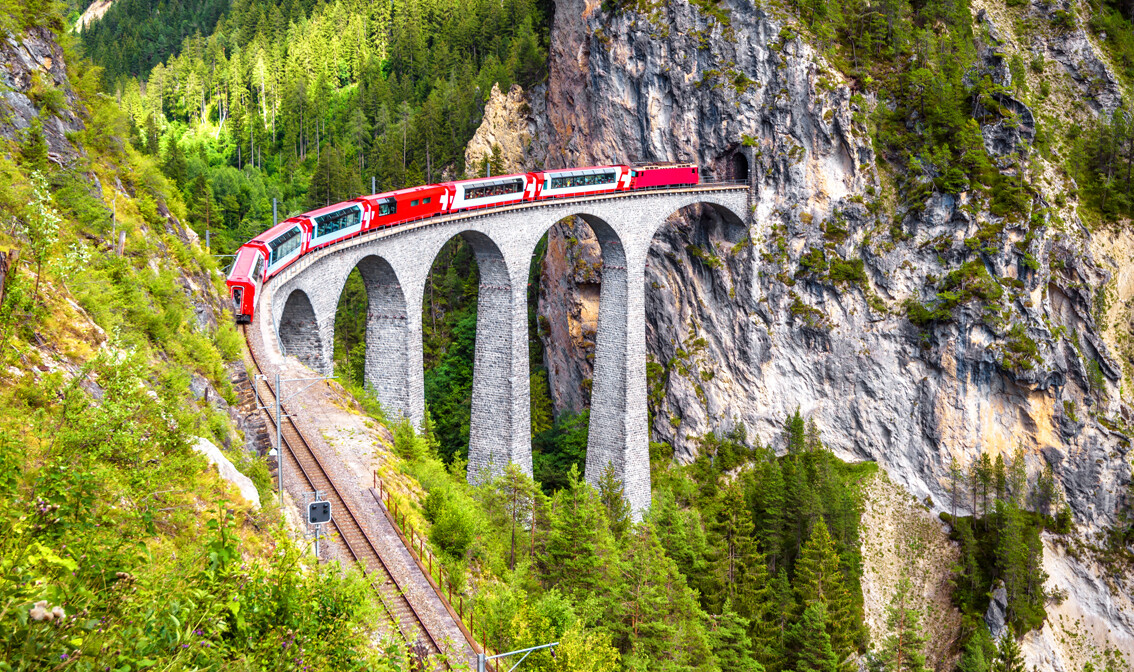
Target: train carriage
(382, 211)
(663, 175)
(418, 202)
(336, 222)
(244, 282)
(491, 191)
(582, 181)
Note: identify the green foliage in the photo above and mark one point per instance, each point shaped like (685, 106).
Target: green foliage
(305, 102)
(1003, 544)
(850, 271)
(904, 648)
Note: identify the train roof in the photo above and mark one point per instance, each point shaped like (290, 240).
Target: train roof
(328, 209)
(494, 179)
(653, 165)
(245, 256)
(276, 230)
(588, 170)
(375, 198)
(417, 190)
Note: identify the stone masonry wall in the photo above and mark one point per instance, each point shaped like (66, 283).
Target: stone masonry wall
(302, 302)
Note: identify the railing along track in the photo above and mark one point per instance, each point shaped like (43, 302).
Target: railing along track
(303, 460)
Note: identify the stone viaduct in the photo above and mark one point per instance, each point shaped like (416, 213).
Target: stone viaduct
(297, 311)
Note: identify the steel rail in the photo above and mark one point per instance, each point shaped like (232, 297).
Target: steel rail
(354, 536)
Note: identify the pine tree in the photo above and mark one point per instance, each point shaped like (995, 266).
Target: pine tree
(814, 440)
(811, 643)
(153, 136)
(795, 440)
(175, 165)
(515, 490)
(731, 643)
(768, 504)
(783, 601)
(613, 499)
(654, 614)
(819, 578)
(33, 151)
(904, 648)
(578, 544)
(1008, 656)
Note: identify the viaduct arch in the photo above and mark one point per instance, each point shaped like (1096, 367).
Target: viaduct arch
(297, 309)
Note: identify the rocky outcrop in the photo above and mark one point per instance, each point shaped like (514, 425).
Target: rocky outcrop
(34, 80)
(228, 471)
(741, 325)
(741, 334)
(505, 135)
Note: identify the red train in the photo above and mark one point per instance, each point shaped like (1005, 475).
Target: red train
(277, 248)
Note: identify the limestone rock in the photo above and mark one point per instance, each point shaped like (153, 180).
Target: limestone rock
(506, 129)
(227, 470)
(35, 67)
(996, 618)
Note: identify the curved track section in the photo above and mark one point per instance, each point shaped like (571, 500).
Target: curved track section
(303, 461)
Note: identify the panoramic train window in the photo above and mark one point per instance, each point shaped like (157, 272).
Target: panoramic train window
(500, 189)
(387, 207)
(569, 181)
(334, 222)
(285, 244)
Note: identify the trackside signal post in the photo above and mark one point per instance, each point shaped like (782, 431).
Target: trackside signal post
(482, 659)
(278, 450)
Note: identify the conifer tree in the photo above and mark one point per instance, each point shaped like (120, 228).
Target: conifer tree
(795, 440)
(731, 643)
(903, 650)
(578, 544)
(810, 642)
(1008, 656)
(784, 607)
(515, 490)
(654, 614)
(819, 578)
(33, 151)
(153, 136)
(613, 499)
(768, 503)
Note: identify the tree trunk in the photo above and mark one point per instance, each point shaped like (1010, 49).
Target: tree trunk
(7, 267)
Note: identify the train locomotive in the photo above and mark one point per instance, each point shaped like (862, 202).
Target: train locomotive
(271, 252)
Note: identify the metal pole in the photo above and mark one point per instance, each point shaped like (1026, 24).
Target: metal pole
(275, 218)
(373, 185)
(480, 662)
(317, 541)
(207, 239)
(279, 434)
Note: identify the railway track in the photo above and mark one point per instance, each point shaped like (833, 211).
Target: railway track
(303, 461)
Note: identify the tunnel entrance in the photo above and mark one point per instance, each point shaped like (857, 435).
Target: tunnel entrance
(738, 168)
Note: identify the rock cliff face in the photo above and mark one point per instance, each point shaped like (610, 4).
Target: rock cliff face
(744, 336)
(740, 331)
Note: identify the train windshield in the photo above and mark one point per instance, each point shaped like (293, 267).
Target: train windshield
(495, 189)
(286, 244)
(258, 267)
(333, 222)
(569, 181)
